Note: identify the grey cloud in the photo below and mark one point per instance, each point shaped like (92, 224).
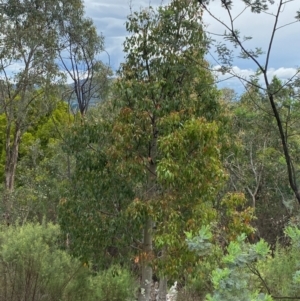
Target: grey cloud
(226, 80)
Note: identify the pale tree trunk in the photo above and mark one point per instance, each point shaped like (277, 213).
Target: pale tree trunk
(11, 159)
(12, 152)
(162, 290)
(162, 293)
(151, 193)
(146, 279)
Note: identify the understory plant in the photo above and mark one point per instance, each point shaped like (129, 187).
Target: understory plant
(34, 266)
(250, 272)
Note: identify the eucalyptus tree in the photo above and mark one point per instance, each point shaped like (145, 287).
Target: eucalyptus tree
(31, 32)
(79, 57)
(261, 59)
(155, 160)
(257, 167)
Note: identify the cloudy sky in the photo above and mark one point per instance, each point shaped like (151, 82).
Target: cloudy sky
(109, 17)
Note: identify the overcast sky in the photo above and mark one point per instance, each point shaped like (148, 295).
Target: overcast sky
(109, 17)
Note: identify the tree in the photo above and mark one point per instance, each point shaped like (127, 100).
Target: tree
(257, 166)
(226, 55)
(43, 167)
(29, 43)
(155, 162)
(79, 58)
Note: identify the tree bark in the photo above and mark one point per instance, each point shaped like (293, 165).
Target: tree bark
(285, 147)
(162, 293)
(12, 152)
(11, 160)
(146, 279)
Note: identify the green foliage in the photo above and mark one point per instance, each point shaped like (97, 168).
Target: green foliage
(247, 271)
(93, 208)
(258, 158)
(42, 166)
(114, 284)
(41, 182)
(197, 282)
(235, 216)
(157, 153)
(32, 39)
(233, 280)
(185, 145)
(200, 243)
(281, 272)
(33, 267)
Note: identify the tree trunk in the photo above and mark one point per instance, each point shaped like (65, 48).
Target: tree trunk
(162, 293)
(146, 279)
(146, 258)
(11, 159)
(12, 152)
(286, 150)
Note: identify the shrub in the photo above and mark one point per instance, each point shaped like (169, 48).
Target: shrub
(32, 267)
(281, 271)
(114, 284)
(249, 272)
